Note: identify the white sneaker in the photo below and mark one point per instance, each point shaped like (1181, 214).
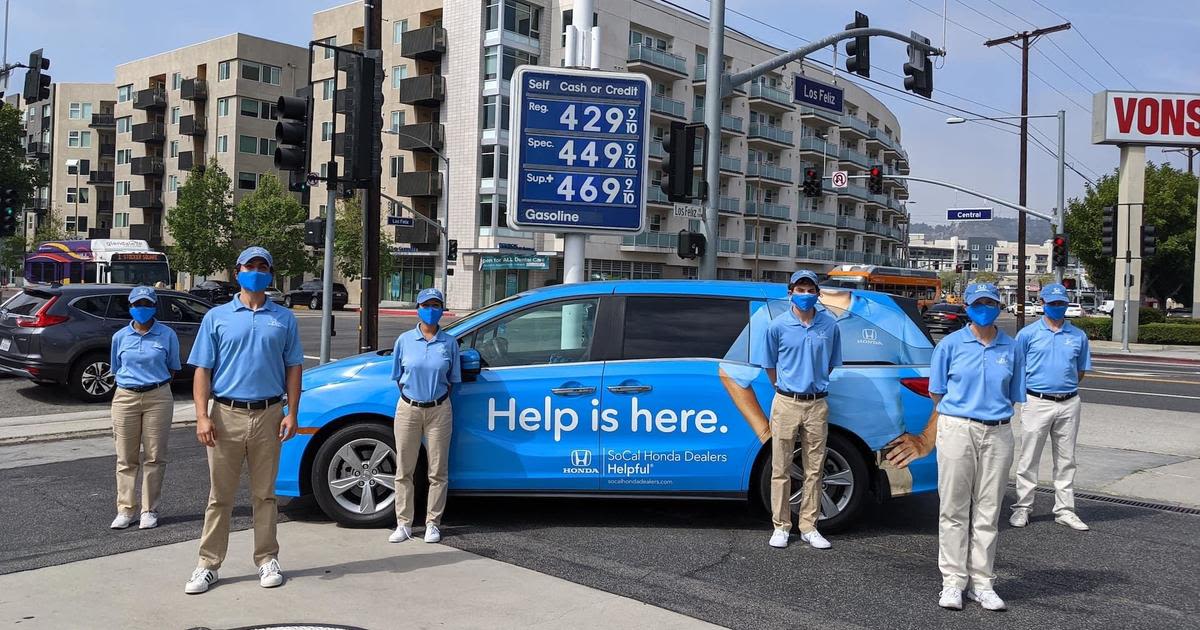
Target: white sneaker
(951, 598)
(988, 599)
(1071, 520)
(1019, 518)
(432, 533)
(200, 581)
(122, 521)
(815, 539)
(401, 534)
(149, 520)
(779, 538)
(269, 575)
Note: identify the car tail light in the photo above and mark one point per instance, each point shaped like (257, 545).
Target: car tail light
(918, 385)
(951, 316)
(41, 318)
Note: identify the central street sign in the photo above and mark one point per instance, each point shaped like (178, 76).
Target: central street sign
(579, 150)
(817, 94)
(841, 180)
(969, 214)
(400, 221)
(689, 211)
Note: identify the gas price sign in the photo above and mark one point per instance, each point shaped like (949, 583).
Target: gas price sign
(578, 160)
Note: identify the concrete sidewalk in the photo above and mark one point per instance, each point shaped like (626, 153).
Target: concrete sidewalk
(56, 426)
(334, 575)
(1151, 352)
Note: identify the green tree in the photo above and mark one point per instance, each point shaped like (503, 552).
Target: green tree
(348, 242)
(1170, 206)
(51, 228)
(202, 222)
(271, 217)
(950, 280)
(20, 174)
(985, 276)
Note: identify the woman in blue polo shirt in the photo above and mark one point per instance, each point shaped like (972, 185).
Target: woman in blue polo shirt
(145, 355)
(424, 364)
(976, 376)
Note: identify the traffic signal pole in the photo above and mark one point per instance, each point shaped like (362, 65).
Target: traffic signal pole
(331, 191)
(368, 313)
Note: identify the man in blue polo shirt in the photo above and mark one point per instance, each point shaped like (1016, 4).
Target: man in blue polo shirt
(1056, 357)
(976, 376)
(803, 346)
(247, 356)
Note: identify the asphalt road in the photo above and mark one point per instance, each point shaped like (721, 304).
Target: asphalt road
(707, 560)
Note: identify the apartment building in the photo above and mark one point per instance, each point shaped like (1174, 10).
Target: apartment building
(940, 254)
(179, 109)
(447, 100)
(71, 136)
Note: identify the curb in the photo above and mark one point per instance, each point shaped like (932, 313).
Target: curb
(1144, 357)
(74, 435)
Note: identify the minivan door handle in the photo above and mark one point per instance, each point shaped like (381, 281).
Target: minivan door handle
(573, 391)
(628, 389)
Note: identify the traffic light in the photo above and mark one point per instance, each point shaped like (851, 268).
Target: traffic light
(680, 144)
(1108, 232)
(8, 212)
(314, 232)
(875, 180)
(812, 183)
(958, 268)
(298, 181)
(919, 69)
(1149, 241)
(452, 249)
(1059, 251)
(291, 137)
(37, 84)
(359, 143)
(858, 50)
(691, 244)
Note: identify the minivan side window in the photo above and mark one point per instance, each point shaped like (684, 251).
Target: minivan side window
(118, 307)
(182, 310)
(560, 332)
(92, 305)
(669, 327)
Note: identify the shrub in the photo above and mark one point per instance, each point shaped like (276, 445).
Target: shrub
(1147, 315)
(1094, 327)
(1169, 334)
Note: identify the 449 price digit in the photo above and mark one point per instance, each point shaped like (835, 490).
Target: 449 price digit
(613, 153)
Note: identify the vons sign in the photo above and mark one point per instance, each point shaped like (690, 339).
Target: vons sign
(1149, 118)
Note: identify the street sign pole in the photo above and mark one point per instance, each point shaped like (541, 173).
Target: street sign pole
(714, 90)
(575, 244)
(327, 268)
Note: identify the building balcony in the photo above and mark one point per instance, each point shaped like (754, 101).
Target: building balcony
(149, 232)
(101, 178)
(427, 90)
(39, 203)
(150, 132)
(763, 210)
(770, 134)
(764, 170)
(148, 99)
(877, 135)
(876, 259)
(858, 192)
(855, 157)
(104, 206)
(193, 90)
(39, 150)
(189, 160)
(817, 145)
(849, 256)
(813, 253)
(731, 205)
(428, 44)
(192, 126)
(428, 137)
(103, 121)
(774, 250)
(729, 163)
(819, 115)
(729, 247)
(855, 126)
(419, 184)
(657, 152)
(729, 122)
(655, 195)
(145, 199)
(667, 107)
(95, 233)
(879, 200)
(875, 227)
(852, 223)
(763, 96)
(656, 63)
(150, 166)
(108, 149)
(652, 240)
(816, 218)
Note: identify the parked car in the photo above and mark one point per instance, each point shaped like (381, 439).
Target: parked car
(595, 389)
(215, 291)
(62, 334)
(1074, 309)
(275, 295)
(1037, 309)
(310, 293)
(945, 318)
(1180, 312)
(1107, 307)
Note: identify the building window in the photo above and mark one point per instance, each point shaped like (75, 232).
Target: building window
(656, 223)
(124, 93)
(223, 106)
(69, 224)
(175, 115)
(82, 192)
(397, 120)
(522, 18)
(79, 139)
(329, 52)
(251, 70)
(622, 270)
(80, 111)
(247, 144)
(261, 72)
(222, 144)
(495, 162)
(176, 80)
(491, 16)
(172, 183)
(121, 220)
(247, 181)
(124, 156)
(173, 149)
(249, 107)
(223, 70)
(397, 164)
(327, 131)
(124, 124)
(327, 90)
(121, 189)
(398, 29)
(399, 73)
(493, 211)
(266, 146)
(495, 112)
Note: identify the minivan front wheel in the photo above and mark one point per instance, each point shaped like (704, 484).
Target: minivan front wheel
(91, 378)
(844, 483)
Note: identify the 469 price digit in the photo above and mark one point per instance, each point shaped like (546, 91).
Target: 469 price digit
(588, 192)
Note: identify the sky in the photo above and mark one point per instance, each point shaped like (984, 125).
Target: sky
(1146, 43)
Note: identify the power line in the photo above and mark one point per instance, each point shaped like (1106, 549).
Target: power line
(1088, 42)
(1006, 10)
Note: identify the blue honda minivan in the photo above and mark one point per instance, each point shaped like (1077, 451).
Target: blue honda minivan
(631, 389)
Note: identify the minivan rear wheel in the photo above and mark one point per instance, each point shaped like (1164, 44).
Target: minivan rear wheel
(844, 484)
(91, 379)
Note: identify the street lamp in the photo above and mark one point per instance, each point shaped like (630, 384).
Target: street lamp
(75, 164)
(445, 223)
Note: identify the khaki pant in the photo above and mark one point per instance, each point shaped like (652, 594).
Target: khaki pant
(973, 461)
(250, 436)
(141, 425)
(435, 425)
(1059, 421)
(808, 421)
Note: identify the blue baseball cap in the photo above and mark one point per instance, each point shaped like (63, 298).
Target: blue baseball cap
(803, 274)
(250, 253)
(430, 294)
(143, 293)
(1054, 292)
(979, 290)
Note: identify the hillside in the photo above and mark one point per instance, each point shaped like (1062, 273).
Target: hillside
(1001, 228)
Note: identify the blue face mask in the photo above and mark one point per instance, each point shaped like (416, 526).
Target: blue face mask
(142, 314)
(254, 281)
(1055, 312)
(430, 314)
(804, 301)
(983, 315)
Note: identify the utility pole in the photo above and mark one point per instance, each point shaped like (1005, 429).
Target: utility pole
(1024, 40)
(1190, 152)
(368, 314)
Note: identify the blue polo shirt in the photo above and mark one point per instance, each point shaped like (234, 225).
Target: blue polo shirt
(425, 368)
(1054, 359)
(803, 356)
(248, 351)
(977, 381)
(139, 359)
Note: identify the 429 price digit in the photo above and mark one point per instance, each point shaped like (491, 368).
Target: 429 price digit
(615, 117)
